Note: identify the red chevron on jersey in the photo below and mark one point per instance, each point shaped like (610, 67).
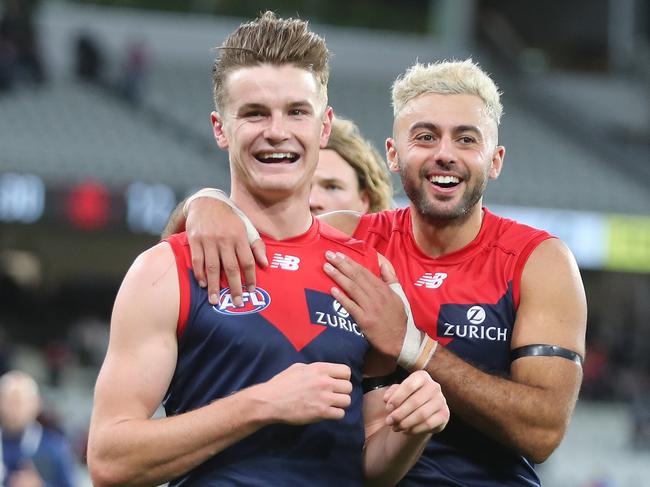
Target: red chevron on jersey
(290, 318)
(290, 322)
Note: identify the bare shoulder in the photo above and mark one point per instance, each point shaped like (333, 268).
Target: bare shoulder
(149, 291)
(553, 306)
(550, 257)
(344, 220)
(157, 259)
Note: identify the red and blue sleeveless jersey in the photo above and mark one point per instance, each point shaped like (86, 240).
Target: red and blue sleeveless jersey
(468, 301)
(290, 318)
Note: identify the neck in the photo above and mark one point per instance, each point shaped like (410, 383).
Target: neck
(438, 237)
(279, 217)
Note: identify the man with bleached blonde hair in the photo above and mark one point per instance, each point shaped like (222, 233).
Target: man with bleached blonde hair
(351, 175)
(504, 302)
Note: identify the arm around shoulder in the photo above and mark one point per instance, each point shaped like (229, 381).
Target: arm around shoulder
(346, 221)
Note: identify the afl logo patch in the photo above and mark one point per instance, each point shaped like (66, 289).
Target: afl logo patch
(253, 302)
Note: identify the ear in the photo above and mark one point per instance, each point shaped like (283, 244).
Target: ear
(327, 127)
(497, 162)
(218, 130)
(391, 155)
(365, 200)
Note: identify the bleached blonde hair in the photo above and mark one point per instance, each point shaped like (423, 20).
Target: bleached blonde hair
(448, 78)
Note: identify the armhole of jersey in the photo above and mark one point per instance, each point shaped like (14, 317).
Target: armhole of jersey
(183, 285)
(521, 262)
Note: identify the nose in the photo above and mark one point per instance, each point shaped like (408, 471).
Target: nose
(444, 152)
(276, 130)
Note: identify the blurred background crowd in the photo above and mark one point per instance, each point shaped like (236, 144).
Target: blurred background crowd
(104, 128)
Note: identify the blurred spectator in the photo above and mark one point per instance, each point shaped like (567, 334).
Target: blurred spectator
(89, 341)
(56, 357)
(32, 454)
(7, 61)
(20, 57)
(641, 414)
(134, 71)
(597, 372)
(89, 58)
(6, 351)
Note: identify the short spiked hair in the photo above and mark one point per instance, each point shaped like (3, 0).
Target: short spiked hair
(448, 78)
(270, 40)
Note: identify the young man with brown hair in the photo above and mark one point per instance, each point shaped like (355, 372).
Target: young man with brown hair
(266, 391)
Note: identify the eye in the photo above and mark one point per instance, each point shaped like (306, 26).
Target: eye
(466, 139)
(253, 114)
(426, 137)
(332, 187)
(296, 112)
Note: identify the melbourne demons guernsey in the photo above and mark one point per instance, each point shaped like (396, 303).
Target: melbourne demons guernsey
(290, 318)
(468, 301)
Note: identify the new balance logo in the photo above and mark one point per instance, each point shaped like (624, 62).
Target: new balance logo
(430, 280)
(286, 262)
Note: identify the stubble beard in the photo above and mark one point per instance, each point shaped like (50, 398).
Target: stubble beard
(434, 210)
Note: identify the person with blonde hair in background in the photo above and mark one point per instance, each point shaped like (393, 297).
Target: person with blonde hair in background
(31, 454)
(351, 175)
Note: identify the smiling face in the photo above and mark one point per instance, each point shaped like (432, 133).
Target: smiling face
(444, 148)
(274, 123)
(335, 186)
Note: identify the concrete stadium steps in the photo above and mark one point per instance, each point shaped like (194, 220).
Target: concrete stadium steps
(69, 131)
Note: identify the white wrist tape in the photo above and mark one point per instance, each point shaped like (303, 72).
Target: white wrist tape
(418, 347)
(217, 194)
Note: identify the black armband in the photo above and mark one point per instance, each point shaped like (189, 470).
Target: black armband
(540, 350)
(372, 383)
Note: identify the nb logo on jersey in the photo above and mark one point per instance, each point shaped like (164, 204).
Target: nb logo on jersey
(253, 302)
(286, 262)
(430, 280)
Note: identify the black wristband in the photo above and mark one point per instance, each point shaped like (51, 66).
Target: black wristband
(372, 383)
(540, 350)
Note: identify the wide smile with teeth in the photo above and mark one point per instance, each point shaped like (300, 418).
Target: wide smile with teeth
(444, 181)
(275, 157)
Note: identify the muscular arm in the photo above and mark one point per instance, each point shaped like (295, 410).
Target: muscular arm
(127, 447)
(528, 411)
